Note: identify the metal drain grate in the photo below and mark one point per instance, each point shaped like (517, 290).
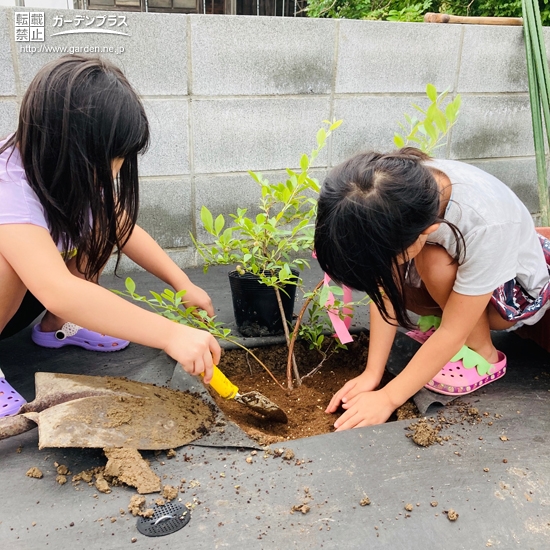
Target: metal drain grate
(167, 519)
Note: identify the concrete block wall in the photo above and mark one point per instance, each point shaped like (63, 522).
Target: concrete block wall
(227, 94)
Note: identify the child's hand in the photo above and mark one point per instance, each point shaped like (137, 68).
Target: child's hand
(196, 350)
(365, 409)
(196, 296)
(366, 381)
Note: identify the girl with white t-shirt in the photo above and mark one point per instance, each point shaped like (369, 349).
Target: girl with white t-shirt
(68, 198)
(445, 240)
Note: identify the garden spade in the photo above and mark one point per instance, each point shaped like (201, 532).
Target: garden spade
(252, 399)
(103, 411)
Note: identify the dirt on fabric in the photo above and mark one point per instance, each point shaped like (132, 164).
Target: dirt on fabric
(128, 466)
(304, 405)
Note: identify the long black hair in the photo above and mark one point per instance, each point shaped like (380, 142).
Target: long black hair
(78, 115)
(371, 208)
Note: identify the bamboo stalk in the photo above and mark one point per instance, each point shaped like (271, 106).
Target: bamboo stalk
(538, 78)
(460, 19)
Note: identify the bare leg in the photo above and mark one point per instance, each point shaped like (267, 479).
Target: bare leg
(438, 273)
(51, 322)
(12, 291)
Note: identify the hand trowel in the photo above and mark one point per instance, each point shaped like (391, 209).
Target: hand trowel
(253, 399)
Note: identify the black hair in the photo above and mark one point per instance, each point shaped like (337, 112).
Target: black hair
(78, 115)
(371, 209)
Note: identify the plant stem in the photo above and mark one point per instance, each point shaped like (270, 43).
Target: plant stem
(292, 358)
(262, 364)
(297, 329)
(325, 355)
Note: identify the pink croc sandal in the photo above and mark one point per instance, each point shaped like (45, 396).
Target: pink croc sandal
(466, 372)
(10, 400)
(427, 325)
(73, 335)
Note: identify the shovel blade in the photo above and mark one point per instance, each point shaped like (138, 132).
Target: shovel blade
(127, 414)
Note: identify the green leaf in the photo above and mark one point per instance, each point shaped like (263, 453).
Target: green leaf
(321, 137)
(398, 140)
(431, 92)
(304, 162)
(323, 295)
(157, 297)
(207, 220)
(130, 285)
(220, 222)
(430, 129)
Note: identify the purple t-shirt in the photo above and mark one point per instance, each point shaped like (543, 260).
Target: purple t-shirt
(18, 202)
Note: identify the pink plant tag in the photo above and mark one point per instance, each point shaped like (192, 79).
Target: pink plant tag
(341, 326)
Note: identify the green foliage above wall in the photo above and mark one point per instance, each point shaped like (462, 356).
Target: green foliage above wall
(414, 10)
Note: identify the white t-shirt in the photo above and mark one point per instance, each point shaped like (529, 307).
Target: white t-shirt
(499, 233)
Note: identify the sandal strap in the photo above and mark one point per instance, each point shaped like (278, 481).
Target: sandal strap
(471, 359)
(427, 322)
(67, 330)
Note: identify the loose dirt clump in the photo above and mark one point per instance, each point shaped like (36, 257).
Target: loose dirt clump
(451, 514)
(365, 501)
(61, 469)
(408, 411)
(127, 466)
(101, 484)
(61, 479)
(424, 434)
(169, 492)
(35, 472)
(137, 507)
(304, 508)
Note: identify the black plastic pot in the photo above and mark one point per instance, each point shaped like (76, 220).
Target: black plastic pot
(255, 305)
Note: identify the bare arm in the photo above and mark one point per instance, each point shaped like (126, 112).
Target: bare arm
(381, 338)
(460, 316)
(33, 255)
(381, 335)
(144, 250)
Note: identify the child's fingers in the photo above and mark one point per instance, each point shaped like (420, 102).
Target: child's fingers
(339, 396)
(347, 421)
(215, 350)
(208, 367)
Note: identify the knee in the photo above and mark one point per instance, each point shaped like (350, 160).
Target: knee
(435, 265)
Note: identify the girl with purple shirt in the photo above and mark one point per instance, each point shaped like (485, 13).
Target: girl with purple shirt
(68, 198)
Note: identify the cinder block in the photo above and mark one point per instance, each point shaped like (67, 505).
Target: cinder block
(9, 113)
(168, 153)
(236, 135)
(7, 80)
(376, 56)
(166, 211)
(262, 55)
(518, 174)
(182, 257)
(493, 60)
(155, 46)
(493, 126)
(369, 123)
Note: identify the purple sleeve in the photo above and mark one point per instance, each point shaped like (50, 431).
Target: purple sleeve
(18, 202)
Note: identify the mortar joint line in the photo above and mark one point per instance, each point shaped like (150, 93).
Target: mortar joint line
(455, 87)
(15, 57)
(190, 127)
(333, 86)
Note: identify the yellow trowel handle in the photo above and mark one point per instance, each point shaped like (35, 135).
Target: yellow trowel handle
(222, 385)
